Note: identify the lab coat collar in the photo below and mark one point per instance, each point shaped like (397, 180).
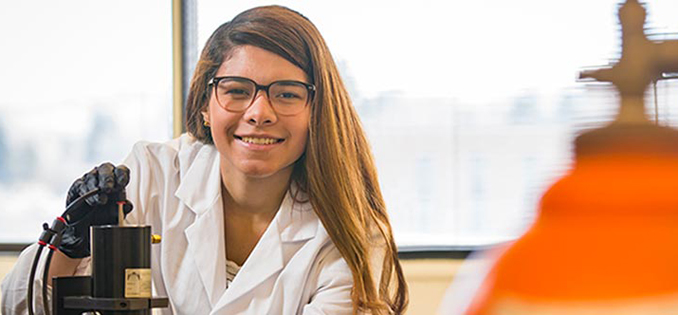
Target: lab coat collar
(295, 222)
(200, 191)
(206, 244)
(200, 178)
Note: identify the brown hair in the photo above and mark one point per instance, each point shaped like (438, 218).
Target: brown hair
(337, 169)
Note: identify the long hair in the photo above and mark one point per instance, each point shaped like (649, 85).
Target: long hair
(337, 170)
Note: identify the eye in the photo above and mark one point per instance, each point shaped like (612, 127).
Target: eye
(288, 92)
(288, 95)
(235, 91)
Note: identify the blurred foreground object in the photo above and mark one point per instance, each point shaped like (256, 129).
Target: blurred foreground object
(606, 236)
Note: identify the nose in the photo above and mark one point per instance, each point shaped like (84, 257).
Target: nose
(261, 112)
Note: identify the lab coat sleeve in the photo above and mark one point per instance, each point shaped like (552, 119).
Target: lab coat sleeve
(335, 280)
(153, 166)
(333, 283)
(15, 285)
(141, 190)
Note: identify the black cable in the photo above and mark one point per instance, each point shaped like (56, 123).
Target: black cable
(29, 296)
(77, 202)
(51, 236)
(45, 273)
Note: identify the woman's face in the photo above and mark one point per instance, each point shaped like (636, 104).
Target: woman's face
(258, 142)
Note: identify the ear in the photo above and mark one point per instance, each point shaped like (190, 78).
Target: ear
(206, 118)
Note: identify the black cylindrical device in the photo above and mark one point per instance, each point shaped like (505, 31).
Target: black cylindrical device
(121, 266)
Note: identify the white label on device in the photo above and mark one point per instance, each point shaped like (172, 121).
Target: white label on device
(137, 283)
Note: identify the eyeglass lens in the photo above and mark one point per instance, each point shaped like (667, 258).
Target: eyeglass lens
(286, 97)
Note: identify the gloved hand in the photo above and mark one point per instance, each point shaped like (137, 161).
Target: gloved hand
(98, 209)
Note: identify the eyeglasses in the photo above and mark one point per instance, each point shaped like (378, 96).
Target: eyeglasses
(237, 94)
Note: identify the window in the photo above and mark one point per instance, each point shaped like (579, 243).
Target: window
(81, 82)
(471, 107)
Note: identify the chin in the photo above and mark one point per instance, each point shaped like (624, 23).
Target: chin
(258, 173)
(261, 171)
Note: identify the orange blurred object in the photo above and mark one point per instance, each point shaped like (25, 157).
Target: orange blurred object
(606, 238)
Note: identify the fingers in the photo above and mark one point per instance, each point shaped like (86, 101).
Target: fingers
(101, 208)
(121, 176)
(74, 191)
(106, 177)
(91, 182)
(112, 178)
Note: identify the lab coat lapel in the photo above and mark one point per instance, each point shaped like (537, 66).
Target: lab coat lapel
(293, 223)
(265, 260)
(200, 191)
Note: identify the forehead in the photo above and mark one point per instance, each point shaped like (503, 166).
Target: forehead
(259, 65)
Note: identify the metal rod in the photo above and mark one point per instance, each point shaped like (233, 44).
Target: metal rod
(121, 213)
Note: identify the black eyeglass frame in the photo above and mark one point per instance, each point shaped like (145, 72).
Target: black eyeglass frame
(258, 87)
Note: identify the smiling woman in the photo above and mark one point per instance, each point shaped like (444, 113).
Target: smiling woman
(270, 204)
(333, 164)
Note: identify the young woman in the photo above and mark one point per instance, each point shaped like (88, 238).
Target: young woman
(270, 203)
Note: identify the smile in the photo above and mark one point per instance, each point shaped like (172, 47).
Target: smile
(254, 140)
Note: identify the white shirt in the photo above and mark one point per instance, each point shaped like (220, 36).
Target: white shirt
(176, 188)
(231, 271)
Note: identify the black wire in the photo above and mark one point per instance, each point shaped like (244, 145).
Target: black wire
(77, 202)
(29, 295)
(45, 272)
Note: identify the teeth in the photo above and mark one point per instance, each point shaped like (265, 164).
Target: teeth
(259, 140)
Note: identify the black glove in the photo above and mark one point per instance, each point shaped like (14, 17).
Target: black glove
(98, 209)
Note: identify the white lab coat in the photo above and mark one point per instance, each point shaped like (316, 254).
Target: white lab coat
(176, 188)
